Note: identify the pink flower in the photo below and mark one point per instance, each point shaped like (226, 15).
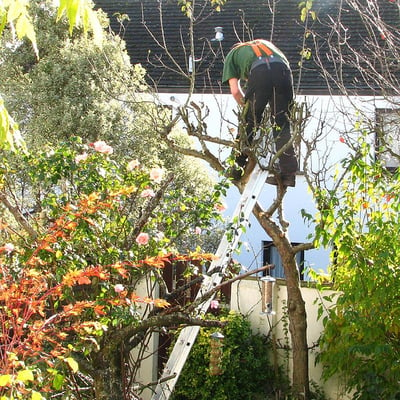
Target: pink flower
(214, 304)
(147, 193)
(102, 147)
(81, 157)
(132, 165)
(197, 230)
(142, 238)
(7, 248)
(220, 207)
(156, 175)
(119, 288)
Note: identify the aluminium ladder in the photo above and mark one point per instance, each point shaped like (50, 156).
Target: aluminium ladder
(224, 252)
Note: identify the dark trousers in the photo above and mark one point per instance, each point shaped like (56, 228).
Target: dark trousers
(271, 84)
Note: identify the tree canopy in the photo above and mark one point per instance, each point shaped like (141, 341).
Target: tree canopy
(17, 18)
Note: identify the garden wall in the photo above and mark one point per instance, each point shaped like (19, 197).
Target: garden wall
(247, 299)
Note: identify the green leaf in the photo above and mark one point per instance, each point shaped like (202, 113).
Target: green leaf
(73, 7)
(80, 12)
(3, 20)
(58, 381)
(5, 134)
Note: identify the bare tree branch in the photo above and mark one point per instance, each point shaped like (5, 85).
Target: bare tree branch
(18, 215)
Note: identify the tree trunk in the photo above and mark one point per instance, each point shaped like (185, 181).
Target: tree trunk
(107, 378)
(296, 306)
(297, 326)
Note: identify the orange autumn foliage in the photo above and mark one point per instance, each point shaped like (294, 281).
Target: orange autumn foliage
(39, 315)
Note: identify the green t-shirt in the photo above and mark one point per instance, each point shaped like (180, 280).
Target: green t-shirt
(239, 60)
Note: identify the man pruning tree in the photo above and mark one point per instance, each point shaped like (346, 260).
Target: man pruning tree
(268, 78)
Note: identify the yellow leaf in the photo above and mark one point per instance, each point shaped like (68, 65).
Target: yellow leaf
(36, 396)
(12, 357)
(5, 380)
(24, 27)
(72, 364)
(16, 8)
(25, 375)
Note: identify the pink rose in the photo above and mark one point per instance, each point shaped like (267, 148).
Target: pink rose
(156, 175)
(197, 230)
(132, 165)
(102, 147)
(119, 288)
(147, 193)
(214, 304)
(81, 157)
(142, 238)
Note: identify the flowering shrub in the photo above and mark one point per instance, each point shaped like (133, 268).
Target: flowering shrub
(70, 269)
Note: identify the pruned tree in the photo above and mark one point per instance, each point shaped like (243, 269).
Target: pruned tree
(192, 116)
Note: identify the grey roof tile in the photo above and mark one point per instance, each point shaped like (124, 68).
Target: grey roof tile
(241, 20)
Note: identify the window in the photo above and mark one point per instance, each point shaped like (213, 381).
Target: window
(271, 256)
(388, 137)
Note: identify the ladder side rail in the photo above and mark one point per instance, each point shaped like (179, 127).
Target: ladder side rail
(243, 209)
(188, 335)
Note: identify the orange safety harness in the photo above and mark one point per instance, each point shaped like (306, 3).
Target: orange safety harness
(258, 46)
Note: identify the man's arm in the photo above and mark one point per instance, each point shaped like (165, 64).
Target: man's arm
(236, 91)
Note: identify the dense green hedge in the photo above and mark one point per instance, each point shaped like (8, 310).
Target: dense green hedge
(247, 371)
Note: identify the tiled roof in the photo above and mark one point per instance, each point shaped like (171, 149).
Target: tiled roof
(241, 20)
